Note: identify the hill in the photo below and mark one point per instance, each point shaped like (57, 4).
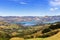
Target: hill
(46, 31)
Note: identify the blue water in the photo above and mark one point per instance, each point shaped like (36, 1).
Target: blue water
(31, 23)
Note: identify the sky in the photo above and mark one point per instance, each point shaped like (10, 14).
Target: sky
(29, 7)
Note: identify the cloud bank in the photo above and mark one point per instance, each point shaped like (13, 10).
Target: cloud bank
(55, 4)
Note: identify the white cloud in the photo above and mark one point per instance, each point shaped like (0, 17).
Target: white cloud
(53, 9)
(13, 0)
(23, 3)
(55, 4)
(56, 8)
(20, 1)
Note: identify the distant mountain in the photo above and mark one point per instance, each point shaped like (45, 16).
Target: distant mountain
(29, 18)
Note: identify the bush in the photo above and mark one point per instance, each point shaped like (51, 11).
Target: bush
(46, 30)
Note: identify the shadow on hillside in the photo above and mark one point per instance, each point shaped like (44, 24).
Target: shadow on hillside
(52, 30)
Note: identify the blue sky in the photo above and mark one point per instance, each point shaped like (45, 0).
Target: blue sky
(29, 7)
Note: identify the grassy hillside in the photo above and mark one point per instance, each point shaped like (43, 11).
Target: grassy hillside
(40, 32)
(55, 37)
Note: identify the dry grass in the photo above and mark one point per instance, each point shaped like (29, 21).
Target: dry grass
(55, 37)
(17, 38)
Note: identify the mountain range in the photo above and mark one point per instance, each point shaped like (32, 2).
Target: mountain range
(29, 18)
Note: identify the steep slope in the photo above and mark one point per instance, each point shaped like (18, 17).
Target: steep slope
(55, 37)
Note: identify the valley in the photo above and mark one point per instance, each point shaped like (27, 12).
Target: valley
(36, 32)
